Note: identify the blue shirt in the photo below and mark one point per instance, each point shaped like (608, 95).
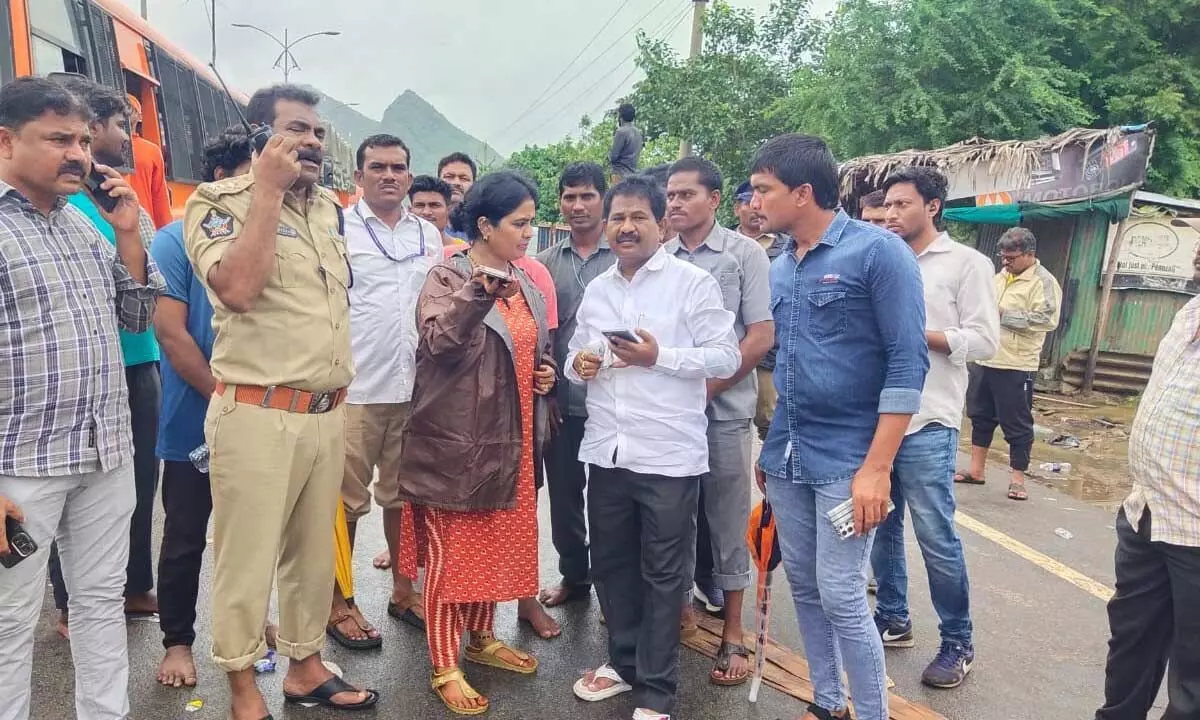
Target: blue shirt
(136, 348)
(850, 323)
(181, 420)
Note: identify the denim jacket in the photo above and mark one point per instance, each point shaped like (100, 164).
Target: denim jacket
(850, 323)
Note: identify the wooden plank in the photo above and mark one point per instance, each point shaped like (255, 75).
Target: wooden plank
(1047, 398)
(788, 673)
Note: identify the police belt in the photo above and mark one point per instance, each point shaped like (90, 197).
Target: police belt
(278, 397)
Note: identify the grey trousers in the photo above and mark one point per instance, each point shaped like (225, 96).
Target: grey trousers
(725, 506)
(643, 538)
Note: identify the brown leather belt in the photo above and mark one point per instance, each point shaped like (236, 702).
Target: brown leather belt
(278, 397)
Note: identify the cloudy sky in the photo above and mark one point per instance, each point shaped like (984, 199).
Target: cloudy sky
(482, 63)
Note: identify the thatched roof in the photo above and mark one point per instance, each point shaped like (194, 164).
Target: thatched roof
(1002, 157)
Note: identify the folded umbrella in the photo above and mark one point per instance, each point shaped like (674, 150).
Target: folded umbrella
(764, 549)
(343, 559)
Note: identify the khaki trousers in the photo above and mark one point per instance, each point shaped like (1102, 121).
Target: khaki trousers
(373, 440)
(275, 480)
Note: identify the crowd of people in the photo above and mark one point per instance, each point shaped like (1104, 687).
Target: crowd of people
(410, 351)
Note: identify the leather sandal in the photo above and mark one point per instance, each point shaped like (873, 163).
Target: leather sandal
(455, 675)
(489, 656)
(822, 714)
(367, 643)
(725, 655)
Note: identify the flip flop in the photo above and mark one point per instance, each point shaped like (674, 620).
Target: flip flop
(604, 672)
(488, 655)
(323, 695)
(725, 660)
(406, 615)
(966, 478)
(367, 643)
(1016, 491)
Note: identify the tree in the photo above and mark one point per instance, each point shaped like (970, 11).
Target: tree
(720, 99)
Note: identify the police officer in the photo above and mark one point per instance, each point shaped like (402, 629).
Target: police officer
(269, 249)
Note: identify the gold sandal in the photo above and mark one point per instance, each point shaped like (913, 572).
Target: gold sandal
(455, 675)
(488, 655)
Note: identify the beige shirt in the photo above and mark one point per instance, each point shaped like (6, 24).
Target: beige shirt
(298, 333)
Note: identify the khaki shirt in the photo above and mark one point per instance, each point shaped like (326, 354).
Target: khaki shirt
(1030, 305)
(298, 333)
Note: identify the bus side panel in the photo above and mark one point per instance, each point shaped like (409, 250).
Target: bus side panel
(22, 51)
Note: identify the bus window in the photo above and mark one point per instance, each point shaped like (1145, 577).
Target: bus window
(7, 71)
(57, 45)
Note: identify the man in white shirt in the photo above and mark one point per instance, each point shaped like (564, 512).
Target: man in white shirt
(391, 251)
(645, 439)
(962, 325)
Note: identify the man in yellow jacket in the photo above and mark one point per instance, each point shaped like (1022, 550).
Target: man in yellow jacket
(1001, 389)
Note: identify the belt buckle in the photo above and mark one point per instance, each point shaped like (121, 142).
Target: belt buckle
(321, 402)
(270, 392)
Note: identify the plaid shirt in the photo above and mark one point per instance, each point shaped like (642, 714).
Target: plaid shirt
(64, 405)
(1164, 443)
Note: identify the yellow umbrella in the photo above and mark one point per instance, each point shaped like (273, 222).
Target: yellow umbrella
(343, 562)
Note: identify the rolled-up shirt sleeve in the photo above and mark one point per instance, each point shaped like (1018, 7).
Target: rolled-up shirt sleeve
(135, 302)
(586, 335)
(716, 353)
(897, 296)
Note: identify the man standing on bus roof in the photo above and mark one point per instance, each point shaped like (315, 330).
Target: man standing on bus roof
(149, 176)
(269, 249)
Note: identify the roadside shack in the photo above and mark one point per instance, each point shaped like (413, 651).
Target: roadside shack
(1078, 192)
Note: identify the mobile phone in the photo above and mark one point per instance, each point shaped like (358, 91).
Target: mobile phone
(93, 181)
(623, 334)
(495, 274)
(20, 543)
(842, 517)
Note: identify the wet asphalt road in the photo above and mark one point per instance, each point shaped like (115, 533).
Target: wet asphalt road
(1040, 640)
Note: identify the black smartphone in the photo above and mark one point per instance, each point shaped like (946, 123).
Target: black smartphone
(93, 181)
(623, 334)
(20, 543)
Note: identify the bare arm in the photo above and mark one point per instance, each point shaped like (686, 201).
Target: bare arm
(185, 356)
(754, 346)
(937, 341)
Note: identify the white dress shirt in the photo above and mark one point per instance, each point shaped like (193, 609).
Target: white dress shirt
(651, 420)
(383, 301)
(960, 300)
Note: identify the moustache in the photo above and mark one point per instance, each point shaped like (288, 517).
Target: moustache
(313, 156)
(72, 167)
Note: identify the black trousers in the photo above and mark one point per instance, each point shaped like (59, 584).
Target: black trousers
(187, 505)
(704, 556)
(145, 399)
(566, 480)
(643, 544)
(1004, 398)
(1154, 624)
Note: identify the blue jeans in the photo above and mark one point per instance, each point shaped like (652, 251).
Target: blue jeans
(923, 479)
(827, 575)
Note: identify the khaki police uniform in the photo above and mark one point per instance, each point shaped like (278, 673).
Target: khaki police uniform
(276, 425)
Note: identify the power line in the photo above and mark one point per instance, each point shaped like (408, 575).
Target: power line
(566, 68)
(602, 53)
(604, 77)
(633, 72)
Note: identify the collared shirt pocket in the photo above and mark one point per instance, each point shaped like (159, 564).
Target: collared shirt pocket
(290, 266)
(828, 315)
(730, 282)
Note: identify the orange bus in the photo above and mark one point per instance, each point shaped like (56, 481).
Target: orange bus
(182, 101)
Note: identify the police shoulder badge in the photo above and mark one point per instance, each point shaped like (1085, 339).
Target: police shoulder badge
(217, 224)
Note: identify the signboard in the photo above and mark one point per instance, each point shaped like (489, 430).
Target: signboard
(1158, 254)
(1075, 172)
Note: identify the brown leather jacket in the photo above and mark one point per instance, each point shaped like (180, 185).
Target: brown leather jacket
(462, 443)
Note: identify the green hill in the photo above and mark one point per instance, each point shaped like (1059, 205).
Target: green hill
(428, 133)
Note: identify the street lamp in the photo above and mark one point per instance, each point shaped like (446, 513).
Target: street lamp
(285, 55)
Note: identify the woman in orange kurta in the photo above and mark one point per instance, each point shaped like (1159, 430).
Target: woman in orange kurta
(471, 448)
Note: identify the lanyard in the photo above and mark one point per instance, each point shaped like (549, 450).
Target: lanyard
(382, 249)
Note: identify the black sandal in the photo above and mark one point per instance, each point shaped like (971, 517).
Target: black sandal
(407, 615)
(323, 695)
(724, 660)
(823, 714)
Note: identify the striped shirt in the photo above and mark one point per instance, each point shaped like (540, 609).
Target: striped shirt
(1164, 443)
(64, 292)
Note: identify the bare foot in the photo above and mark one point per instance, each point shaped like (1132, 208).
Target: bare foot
(562, 594)
(178, 668)
(382, 561)
(141, 604)
(247, 703)
(352, 624)
(688, 625)
(272, 635)
(456, 692)
(61, 626)
(531, 611)
(595, 684)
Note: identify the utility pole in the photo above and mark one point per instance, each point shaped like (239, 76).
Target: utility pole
(698, 9)
(145, 9)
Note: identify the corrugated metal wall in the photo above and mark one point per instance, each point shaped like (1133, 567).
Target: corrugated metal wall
(1137, 319)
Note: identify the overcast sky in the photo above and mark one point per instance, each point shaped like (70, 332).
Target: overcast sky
(482, 63)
